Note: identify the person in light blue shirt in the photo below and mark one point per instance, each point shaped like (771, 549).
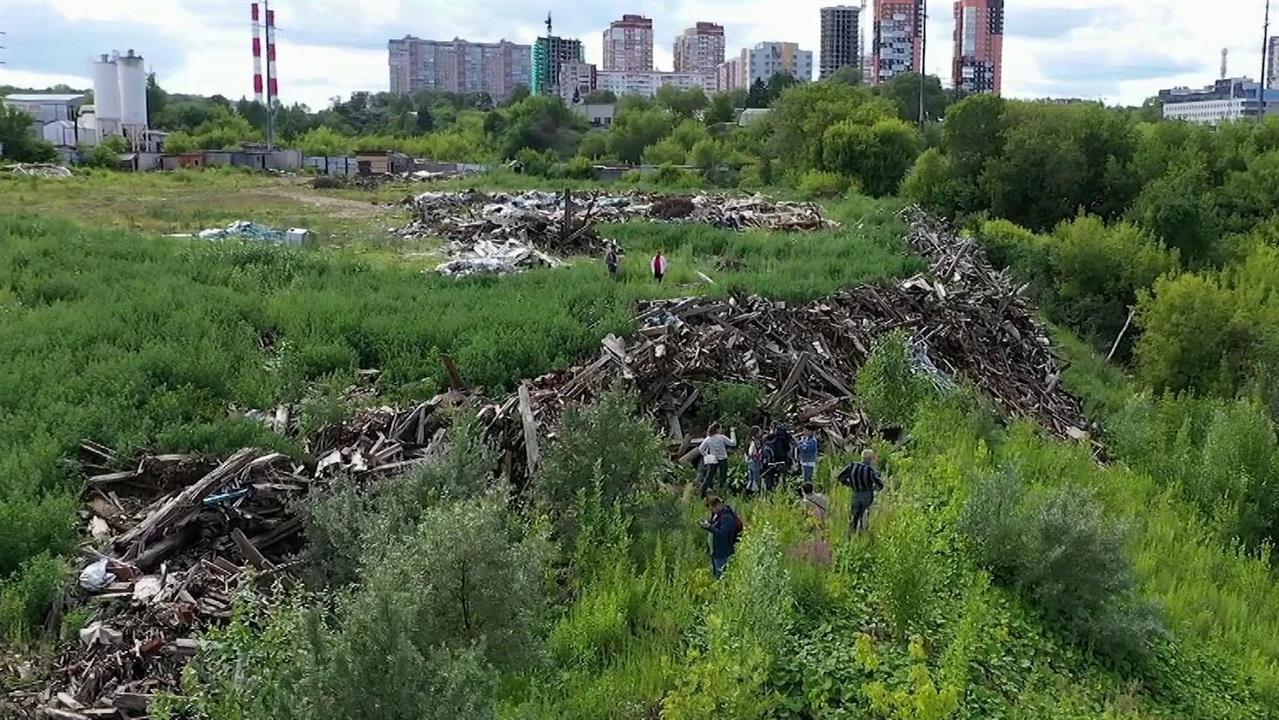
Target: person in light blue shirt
(806, 450)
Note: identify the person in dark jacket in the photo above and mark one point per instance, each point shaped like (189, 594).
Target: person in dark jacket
(725, 529)
(864, 479)
(779, 451)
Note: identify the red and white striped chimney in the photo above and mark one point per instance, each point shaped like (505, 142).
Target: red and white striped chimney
(257, 52)
(272, 85)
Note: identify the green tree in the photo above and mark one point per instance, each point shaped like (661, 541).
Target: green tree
(325, 142)
(849, 75)
(634, 130)
(1178, 208)
(682, 103)
(903, 90)
(721, 109)
(798, 122)
(157, 100)
(1186, 325)
(778, 84)
(600, 97)
(878, 155)
(758, 96)
(973, 134)
(18, 141)
(666, 152)
(424, 122)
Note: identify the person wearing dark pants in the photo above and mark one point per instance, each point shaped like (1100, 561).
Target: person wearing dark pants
(725, 528)
(865, 481)
(714, 451)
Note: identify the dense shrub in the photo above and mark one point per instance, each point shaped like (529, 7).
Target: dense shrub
(816, 184)
(1057, 547)
(889, 387)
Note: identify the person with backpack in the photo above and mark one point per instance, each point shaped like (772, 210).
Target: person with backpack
(779, 447)
(864, 479)
(725, 527)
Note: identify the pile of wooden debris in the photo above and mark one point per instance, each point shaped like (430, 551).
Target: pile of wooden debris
(500, 233)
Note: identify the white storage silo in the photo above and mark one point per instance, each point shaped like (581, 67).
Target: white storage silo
(133, 93)
(106, 96)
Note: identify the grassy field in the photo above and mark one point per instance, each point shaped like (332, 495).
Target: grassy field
(135, 340)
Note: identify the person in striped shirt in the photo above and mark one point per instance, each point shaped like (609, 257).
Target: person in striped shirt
(864, 479)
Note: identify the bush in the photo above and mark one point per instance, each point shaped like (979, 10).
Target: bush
(24, 603)
(606, 442)
(889, 388)
(905, 571)
(1056, 547)
(816, 184)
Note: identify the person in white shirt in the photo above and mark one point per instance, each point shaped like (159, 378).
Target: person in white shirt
(714, 451)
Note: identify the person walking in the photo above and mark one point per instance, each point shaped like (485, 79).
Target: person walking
(725, 528)
(659, 266)
(817, 504)
(754, 460)
(865, 480)
(714, 450)
(817, 548)
(779, 449)
(806, 450)
(612, 260)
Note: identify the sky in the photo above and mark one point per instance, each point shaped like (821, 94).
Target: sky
(1120, 51)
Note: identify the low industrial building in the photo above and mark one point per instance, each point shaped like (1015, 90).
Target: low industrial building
(1226, 100)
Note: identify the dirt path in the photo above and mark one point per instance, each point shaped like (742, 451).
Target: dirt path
(337, 206)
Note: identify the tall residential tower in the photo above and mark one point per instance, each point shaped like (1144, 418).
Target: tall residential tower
(700, 49)
(549, 52)
(457, 66)
(899, 33)
(628, 44)
(840, 43)
(979, 46)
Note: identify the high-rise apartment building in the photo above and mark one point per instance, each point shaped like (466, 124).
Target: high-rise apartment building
(979, 46)
(548, 54)
(767, 58)
(457, 66)
(899, 33)
(840, 40)
(728, 75)
(700, 49)
(1272, 63)
(628, 44)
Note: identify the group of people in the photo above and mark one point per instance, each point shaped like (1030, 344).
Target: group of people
(725, 525)
(613, 262)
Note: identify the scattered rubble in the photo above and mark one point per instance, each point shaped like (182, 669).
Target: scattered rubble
(248, 230)
(45, 170)
(537, 221)
(374, 181)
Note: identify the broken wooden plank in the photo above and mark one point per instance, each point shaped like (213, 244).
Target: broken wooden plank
(530, 428)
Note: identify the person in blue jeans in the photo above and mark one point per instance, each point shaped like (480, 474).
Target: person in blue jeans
(725, 528)
(807, 449)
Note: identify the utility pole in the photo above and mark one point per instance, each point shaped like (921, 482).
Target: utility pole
(923, 54)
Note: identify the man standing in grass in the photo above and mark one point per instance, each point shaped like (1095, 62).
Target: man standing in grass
(806, 449)
(612, 258)
(864, 479)
(725, 528)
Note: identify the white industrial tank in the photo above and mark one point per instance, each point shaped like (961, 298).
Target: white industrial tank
(106, 95)
(133, 91)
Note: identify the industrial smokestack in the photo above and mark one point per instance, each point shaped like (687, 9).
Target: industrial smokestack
(256, 27)
(272, 84)
(1225, 54)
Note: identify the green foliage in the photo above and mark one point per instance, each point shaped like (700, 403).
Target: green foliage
(903, 90)
(800, 118)
(879, 155)
(1057, 547)
(889, 388)
(816, 184)
(681, 103)
(634, 130)
(106, 154)
(324, 141)
(905, 573)
(19, 143)
(23, 604)
(606, 441)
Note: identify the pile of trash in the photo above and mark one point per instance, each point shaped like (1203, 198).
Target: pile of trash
(44, 170)
(483, 230)
(966, 320)
(175, 538)
(251, 231)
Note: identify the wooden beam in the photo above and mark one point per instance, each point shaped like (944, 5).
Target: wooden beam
(530, 428)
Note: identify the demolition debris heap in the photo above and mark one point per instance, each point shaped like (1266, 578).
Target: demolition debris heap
(177, 536)
(500, 233)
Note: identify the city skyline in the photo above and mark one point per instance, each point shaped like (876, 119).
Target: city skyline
(330, 49)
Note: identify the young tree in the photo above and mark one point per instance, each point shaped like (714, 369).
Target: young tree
(424, 122)
(18, 141)
(879, 155)
(721, 109)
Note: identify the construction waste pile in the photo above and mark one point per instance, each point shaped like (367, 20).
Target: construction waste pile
(175, 537)
(253, 232)
(501, 233)
(966, 320)
(44, 170)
